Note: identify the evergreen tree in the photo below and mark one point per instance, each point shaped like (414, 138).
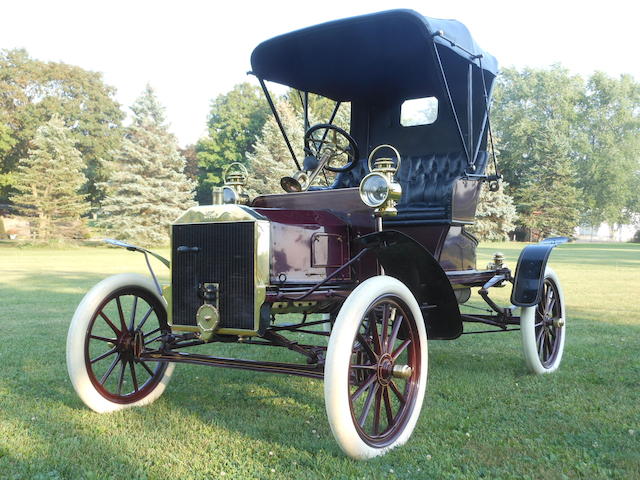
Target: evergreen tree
(270, 159)
(48, 182)
(148, 188)
(495, 215)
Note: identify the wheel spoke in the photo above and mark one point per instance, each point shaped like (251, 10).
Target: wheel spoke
(547, 342)
(386, 314)
(363, 387)
(365, 344)
(547, 301)
(104, 355)
(133, 313)
(146, 367)
(367, 405)
(103, 339)
(376, 412)
(397, 392)
(133, 375)
(121, 378)
(123, 323)
(151, 332)
(539, 338)
(144, 319)
(367, 367)
(109, 370)
(403, 346)
(552, 305)
(158, 337)
(387, 407)
(377, 345)
(109, 322)
(394, 332)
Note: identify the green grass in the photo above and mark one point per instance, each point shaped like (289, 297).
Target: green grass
(484, 415)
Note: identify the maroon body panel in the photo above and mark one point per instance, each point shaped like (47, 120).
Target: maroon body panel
(311, 233)
(306, 245)
(459, 250)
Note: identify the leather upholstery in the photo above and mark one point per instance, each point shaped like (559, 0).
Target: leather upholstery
(427, 183)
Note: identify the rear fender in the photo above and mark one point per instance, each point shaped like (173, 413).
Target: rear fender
(529, 276)
(408, 261)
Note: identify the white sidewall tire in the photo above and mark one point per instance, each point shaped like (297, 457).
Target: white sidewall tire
(336, 373)
(527, 328)
(76, 344)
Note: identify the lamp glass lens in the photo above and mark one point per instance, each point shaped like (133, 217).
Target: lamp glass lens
(374, 191)
(229, 195)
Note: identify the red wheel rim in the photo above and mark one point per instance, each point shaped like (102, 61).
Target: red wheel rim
(548, 331)
(126, 321)
(382, 392)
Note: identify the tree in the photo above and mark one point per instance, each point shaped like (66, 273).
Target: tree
(235, 120)
(147, 189)
(190, 155)
(495, 215)
(320, 109)
(48, 181)
(608, 165)
(270, 159)
(535, 116)
(32, 92)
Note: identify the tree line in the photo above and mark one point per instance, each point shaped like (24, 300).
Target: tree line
(568, 149)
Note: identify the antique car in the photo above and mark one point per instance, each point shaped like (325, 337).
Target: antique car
(364, 255)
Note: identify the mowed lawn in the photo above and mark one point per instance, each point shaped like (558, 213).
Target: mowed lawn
(484, 415)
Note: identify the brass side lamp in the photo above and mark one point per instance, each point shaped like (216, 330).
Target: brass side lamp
(235, 178)
(380, 189)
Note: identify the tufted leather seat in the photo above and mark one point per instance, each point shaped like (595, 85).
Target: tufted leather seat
(427, 183)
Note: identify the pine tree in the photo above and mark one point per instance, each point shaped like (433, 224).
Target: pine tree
(495, 215)
(147, 189)
(49, 180)
(270, 159)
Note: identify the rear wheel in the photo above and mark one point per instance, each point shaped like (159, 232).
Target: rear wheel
(116, 320)
(376, 368)
(543, 327)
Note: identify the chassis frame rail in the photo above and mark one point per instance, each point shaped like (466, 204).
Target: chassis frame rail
(313, 371)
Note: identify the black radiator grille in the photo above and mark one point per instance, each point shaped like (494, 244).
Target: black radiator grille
(225, 256)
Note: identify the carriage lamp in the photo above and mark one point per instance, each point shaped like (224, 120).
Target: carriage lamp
(379, 189)
(235, 178)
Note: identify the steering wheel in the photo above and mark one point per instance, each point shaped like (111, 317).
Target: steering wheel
(322, 142)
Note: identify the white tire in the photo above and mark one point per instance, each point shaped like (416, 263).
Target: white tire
(543, 327)
(121, 299)
(362, 376)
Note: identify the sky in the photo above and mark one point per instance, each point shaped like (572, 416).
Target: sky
(192, 51)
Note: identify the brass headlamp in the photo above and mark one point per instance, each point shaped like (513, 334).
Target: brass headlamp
(235, 178)
(379, 189)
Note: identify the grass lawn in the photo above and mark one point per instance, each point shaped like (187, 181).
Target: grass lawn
(484, 415)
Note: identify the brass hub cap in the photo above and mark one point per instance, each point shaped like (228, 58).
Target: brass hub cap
(385, 369)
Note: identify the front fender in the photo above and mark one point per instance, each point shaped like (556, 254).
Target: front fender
(408, 261)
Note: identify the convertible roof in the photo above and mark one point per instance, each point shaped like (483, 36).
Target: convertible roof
(382, 55)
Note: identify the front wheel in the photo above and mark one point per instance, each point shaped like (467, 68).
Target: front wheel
(543, 327)
(376, 368)
(115, 321)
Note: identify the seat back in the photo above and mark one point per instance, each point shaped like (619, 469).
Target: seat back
(427, 181)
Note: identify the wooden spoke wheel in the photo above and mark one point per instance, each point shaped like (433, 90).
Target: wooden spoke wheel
(543, 327)
(376, 368)
(114, 323)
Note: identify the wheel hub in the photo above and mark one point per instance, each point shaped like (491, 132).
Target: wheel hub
(385, 369)
(131, 344)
